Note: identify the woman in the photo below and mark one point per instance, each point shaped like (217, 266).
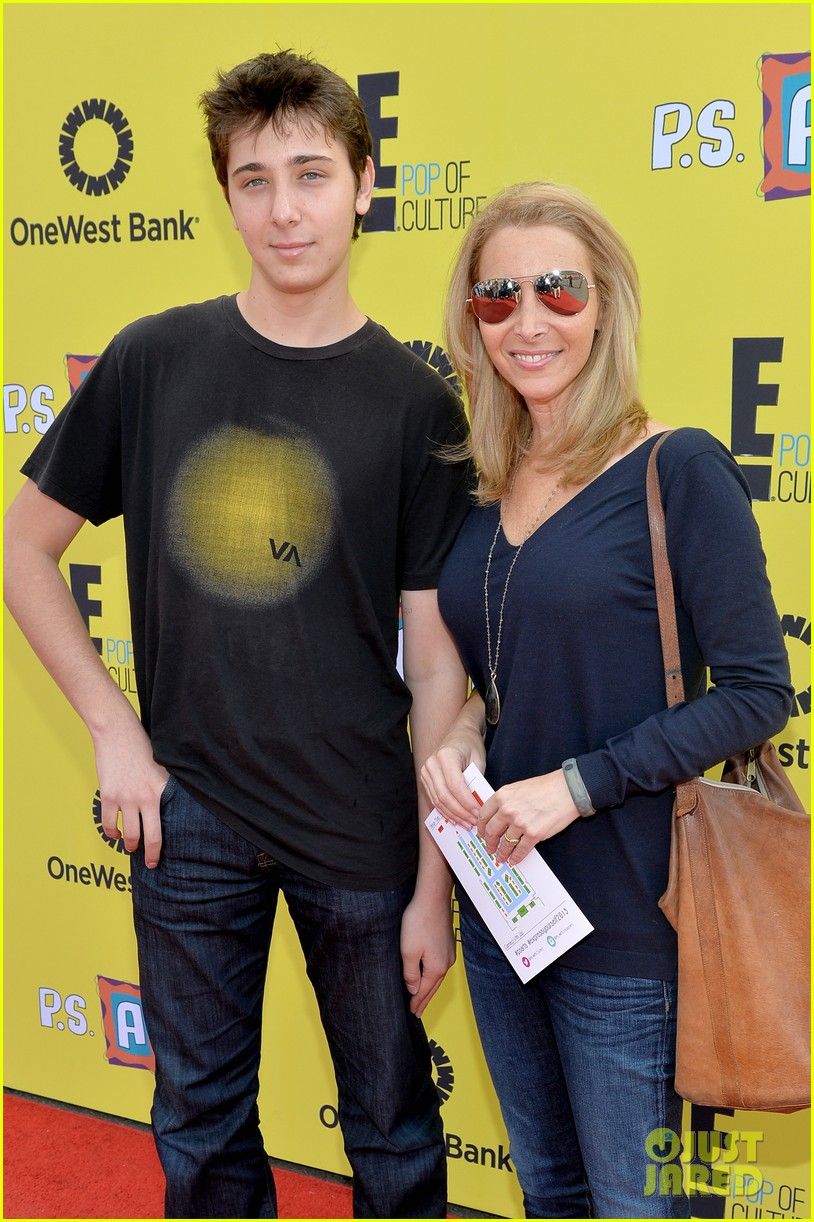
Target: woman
(549, 593)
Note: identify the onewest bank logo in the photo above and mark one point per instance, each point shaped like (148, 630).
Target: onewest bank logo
(114, 229)
(99, 120)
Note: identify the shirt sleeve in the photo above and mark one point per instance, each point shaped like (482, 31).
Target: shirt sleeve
(78, 461)
(436, 493)
(720, 581)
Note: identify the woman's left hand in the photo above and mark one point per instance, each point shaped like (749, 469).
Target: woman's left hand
(526, 812)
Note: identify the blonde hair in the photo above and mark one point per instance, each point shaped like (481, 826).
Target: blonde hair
(604, 411)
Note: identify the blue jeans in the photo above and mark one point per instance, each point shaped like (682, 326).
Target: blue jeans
(582, 1065)
(204, 919)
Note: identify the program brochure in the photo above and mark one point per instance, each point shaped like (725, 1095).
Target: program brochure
(532, 917)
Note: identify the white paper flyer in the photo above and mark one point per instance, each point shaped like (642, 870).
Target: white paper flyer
(532, 917)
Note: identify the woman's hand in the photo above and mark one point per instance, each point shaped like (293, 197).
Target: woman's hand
(519, 815)
(442, 773)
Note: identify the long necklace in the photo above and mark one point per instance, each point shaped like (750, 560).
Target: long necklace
(492, 696)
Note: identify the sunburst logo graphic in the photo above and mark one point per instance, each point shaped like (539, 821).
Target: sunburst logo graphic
(437, 359)
(118, 845)
(96, 112)
(798, 628)
(444, 1073)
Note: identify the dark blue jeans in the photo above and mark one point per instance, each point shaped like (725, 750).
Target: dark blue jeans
(582, 1065)
(204, 920)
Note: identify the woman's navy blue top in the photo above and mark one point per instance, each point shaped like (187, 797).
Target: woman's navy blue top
(581, 673)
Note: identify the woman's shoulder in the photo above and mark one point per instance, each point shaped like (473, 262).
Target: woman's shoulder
(696, 459)
(687, 442)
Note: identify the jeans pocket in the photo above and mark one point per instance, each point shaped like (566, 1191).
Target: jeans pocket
(169, 790)
(615, 995)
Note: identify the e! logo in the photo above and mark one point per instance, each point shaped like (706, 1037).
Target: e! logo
(81, 576)
(748, 394)
(372, 87)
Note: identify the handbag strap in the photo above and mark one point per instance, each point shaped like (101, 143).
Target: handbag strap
(686, 797)
(665, 596)
(698, 856)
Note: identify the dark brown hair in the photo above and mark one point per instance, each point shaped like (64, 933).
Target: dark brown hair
(281, 87)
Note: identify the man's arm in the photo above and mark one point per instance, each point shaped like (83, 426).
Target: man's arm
(37, 532)
(437, 680)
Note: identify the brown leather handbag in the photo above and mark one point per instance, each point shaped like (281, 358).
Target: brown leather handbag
(738, 897)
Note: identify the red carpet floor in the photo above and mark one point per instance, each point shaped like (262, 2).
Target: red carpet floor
(59, 1163)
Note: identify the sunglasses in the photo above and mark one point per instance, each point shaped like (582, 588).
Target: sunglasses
(562, 292)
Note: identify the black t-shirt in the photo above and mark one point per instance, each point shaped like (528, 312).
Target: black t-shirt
(275, 500)
(581, 674)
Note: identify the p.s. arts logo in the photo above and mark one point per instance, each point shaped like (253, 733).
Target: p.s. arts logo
(126, 1039)
(430, 195)
(125, 1032)
(786, 476)
(78, 367)
(59, 1011)
(701, 132)
(27, 407)
(96, 111)
(704, 129)
(786, 84)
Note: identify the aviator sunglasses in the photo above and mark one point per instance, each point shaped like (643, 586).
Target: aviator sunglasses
(562, 292)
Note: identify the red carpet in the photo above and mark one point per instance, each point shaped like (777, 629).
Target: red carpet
(61, 1163)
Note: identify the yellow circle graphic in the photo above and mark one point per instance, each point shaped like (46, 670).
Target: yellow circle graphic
(250, 515)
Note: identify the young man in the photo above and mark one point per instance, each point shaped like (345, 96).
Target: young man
(275, 457)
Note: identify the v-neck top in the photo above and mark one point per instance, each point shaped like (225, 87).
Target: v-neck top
(580, 671)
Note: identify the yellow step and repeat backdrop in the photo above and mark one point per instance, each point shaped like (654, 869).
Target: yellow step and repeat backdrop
(689, 125)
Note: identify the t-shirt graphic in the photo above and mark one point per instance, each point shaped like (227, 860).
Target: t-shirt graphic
(250, 516)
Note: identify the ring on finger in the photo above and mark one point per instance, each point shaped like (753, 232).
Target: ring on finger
(511, 840)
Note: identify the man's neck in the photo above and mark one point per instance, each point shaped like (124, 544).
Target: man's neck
(307, 320)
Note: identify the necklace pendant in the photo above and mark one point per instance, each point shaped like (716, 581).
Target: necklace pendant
(492, 704)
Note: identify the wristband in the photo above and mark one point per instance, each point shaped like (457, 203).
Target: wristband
(576, 787)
